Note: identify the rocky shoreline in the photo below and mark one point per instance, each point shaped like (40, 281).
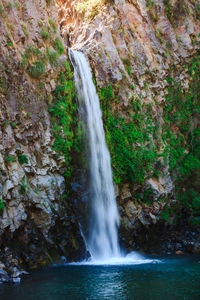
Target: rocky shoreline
(165, 240)
(179, 240)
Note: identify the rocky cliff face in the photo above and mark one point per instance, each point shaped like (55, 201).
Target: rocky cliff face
(134, 46)
(36, 222)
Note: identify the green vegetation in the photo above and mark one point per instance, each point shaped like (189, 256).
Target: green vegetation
(48, 2)
(31, 51)
(168, 9)
(198, 11)
(152, 10)
(37, 69)
(1, 9)
(182, 137)
(24, 28)
(32, 54)
(53, 57)
(13, 124)
(127, 64)
(147, 196)
(53, 25)
(138, 151)
(2, 206)
(48, 30)
(3, 84)
(58, 45)
(63, 112)
(149, 3)
(9, 44)
(5, 124)
(129, 138)
(176, 11)
(10, 159)
(34, 61)
(23, 187)
(45, 34)
(160, 36)
(22, 159)
(9, 4)
(16, 5)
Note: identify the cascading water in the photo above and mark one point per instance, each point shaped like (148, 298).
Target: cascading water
(102, 239)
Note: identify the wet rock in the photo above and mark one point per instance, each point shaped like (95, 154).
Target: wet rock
(16, 273)
(144, 221)
(2, 266)
(3, 276)
(16, 280)
(179, 252)
(178, 246)
(196, 248)
(153, 217)
(127, 224)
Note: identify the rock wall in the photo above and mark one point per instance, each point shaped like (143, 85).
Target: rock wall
(135, 46)
(36, 221)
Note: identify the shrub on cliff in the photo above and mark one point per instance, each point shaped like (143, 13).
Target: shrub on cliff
(37, 69)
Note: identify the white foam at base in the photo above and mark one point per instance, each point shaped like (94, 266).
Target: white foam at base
(133, 258)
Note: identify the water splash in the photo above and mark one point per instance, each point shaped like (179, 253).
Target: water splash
(132, 258)
(102, 237)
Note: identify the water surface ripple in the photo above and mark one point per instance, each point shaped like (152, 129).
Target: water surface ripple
(174, 278)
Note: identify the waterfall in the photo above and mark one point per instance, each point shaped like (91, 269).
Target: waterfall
(102, 237)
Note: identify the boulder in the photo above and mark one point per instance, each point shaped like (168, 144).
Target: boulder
(3, 276)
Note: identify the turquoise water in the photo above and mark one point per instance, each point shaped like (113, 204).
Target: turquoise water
(174, 278)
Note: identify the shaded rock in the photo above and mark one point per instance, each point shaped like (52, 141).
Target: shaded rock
(3, 276)
(196, 248)
(125, 193)
(131, 210)
(32, 184)
(179, 252)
